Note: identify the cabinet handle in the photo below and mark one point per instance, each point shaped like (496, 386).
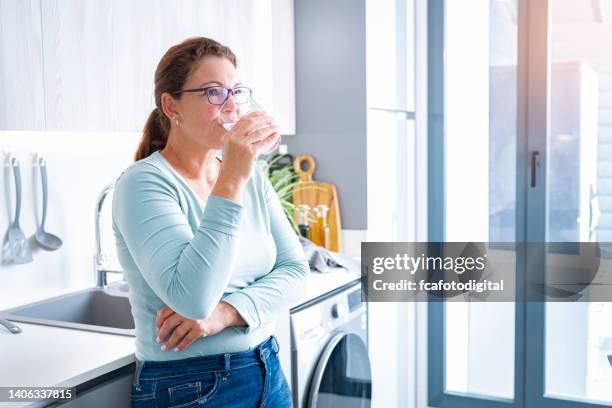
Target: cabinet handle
(535, 163)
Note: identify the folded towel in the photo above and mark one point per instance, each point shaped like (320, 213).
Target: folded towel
(319, 258)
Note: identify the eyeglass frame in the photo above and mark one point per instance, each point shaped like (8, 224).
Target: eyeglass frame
(230, 91)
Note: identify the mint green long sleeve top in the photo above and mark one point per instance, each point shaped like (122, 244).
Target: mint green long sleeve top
(180, 251)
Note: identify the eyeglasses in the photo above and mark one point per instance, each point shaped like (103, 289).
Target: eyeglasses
(217, 95)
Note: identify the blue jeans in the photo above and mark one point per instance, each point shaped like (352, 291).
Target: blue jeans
(248, 379)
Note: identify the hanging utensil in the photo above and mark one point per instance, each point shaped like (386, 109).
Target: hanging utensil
(46, 240)
(19, 245)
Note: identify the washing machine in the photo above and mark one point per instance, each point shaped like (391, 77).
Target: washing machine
(329, 351)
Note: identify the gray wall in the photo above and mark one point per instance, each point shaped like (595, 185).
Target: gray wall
(330, 63)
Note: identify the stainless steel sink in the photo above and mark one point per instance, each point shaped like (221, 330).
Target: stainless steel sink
(94, 309)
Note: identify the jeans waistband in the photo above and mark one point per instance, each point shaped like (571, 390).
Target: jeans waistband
(151, 370)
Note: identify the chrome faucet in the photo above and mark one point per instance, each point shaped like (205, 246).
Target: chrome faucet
(101, 265)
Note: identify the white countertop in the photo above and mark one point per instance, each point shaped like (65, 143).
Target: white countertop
(55, 356)
(319, 284)
(45, 356)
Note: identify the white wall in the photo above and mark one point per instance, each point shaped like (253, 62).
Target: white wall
(78, 166)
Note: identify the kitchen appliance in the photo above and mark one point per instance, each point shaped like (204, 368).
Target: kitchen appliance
(330, 363)
(313, 193)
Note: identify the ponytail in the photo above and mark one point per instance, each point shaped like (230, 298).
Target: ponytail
(155, 135)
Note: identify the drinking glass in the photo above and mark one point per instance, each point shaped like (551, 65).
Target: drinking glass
(231, 112)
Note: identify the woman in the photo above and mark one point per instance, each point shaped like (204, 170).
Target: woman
(207, 250)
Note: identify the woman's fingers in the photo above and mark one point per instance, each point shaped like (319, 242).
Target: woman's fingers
(162, 314)
(191, 336)
(261, 134)
(253, 127)
(252, 121)
(176, 331)
(179, 332)
(168, 325)
(269, 142)
(240, 155)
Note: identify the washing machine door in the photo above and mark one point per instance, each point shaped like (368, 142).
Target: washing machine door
(343, 376)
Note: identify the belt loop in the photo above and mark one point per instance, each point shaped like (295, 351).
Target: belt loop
(139, 366)
(275, 346)
(263, 351)
(226, 371)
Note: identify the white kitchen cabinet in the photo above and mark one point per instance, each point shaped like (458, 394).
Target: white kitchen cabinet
(113, 392)
(95, 60)
(21, 67)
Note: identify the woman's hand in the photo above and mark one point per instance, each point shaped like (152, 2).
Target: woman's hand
(177, 332)
(251, 135)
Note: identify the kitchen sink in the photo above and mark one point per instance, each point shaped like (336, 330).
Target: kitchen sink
(93, 309)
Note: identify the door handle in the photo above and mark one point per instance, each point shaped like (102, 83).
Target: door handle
(535, 163)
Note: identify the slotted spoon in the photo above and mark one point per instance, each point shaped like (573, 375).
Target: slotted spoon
(19, 245)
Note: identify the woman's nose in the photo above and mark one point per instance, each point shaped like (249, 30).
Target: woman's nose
(229, 105)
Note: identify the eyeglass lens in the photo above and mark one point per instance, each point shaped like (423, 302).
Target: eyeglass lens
(217, 95)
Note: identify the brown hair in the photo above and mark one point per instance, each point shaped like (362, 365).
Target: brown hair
(171, 74)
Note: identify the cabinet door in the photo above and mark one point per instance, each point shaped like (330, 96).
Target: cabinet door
(79, 57)
(108, 52)
(21, 68)
(100, 57)
(89, 66)
(112, 393)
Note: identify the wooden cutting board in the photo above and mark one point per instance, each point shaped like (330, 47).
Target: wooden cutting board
(315, 193)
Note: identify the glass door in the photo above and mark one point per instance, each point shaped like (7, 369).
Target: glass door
(473, 348)
(520, 132)
(480, 173)
(571, 199)
(342, 377)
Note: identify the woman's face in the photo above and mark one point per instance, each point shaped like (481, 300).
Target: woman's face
(198, 117)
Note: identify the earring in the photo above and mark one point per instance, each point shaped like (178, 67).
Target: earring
(176, 120)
